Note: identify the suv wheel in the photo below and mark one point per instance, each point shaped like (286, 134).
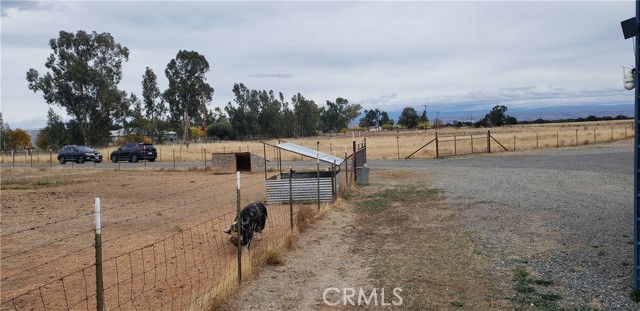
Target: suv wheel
(80, 159)
(61, 160)
(152, 160)
(134, 158)
(114, 158)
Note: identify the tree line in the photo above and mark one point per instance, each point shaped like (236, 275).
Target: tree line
(83, 73)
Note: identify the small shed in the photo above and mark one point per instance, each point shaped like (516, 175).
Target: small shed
(230, 163)
(305, 185)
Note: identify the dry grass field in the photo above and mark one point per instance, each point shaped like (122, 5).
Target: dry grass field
(396, 144)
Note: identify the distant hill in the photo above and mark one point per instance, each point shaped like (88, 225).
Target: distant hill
(527, 114)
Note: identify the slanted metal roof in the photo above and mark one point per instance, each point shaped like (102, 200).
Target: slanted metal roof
(311, 153)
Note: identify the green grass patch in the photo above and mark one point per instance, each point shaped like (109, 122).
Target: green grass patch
(528, 296)
(383, 200)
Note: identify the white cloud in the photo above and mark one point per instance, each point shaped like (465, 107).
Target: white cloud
(387, 55)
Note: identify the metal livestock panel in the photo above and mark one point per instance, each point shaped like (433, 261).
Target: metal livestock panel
(303, 189)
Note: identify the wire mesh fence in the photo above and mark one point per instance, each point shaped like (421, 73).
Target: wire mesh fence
(156, 255)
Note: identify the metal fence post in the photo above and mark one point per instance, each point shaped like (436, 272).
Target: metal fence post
(13, 157)
(50, 158)
(318, 170)
(290, 197)
(557, 139)
(514, 142)
(98, 246)
(204, 155)
(238, 228)
(174, 159)
(30, 158)
(471, 143)
(537, 141)
(398, 145)
(594, 135)
(576, 137)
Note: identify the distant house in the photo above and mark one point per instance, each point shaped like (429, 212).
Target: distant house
(115, 134)
(167, 135)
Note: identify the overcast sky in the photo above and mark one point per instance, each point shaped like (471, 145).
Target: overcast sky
(452, 56)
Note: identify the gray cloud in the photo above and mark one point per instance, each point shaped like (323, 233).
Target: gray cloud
(387, 55)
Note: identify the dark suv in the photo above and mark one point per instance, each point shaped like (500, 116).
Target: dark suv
(134, 152)
(78, 154)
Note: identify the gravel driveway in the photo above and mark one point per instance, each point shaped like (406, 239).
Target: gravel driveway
(563, 214)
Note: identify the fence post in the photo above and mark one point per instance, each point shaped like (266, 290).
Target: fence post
(13, 157)
(625, 131)
(537, 141)
(514, 142)
(204, 155)
(318, 170)
(174, 159)
(576, 137)
(437, 147)
(489, 141)
(31, 158)
(354, 175)
(455, 145)
(612, 133)
(398, 145)
(346, 168)
(238, 228)
(290, 198)
(50, 158)
(471, 143)
(98, 238)
(557, 139)
(594, 135)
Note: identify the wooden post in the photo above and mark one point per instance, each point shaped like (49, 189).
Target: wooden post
(489, 141)
(514, 142)
(594, 135)
(398, 145)
(437, 147)
(576, 137)
(557, 139)
(471, 143)
(537, 141)
(455, 146)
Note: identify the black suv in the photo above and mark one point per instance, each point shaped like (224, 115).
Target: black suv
(78, 154)
(134, 152)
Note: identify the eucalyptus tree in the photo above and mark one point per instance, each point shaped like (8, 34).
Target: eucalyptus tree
(154, 106)
(84, 72)
(188, 92)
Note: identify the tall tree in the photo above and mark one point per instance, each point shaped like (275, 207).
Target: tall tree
(54, 135)
(19, 139)
(306, 114)
(188, 92)
(497, 117)
(409, 118)
(154, 105)
(336, 116)
(85, 69)
(5, 129)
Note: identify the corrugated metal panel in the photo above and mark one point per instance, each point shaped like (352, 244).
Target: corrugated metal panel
(303, 189)
(311, 153)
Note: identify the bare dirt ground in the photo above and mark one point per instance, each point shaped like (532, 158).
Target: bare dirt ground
(388, 236)
(48, 224)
